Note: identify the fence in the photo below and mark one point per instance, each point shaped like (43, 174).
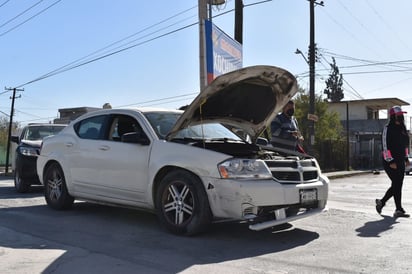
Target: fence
(363, 154)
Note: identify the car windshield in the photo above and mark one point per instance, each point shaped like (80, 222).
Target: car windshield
(34, 133)
(162, 123)
(207, 131)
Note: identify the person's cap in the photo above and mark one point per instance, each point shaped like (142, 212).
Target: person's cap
(396, 110)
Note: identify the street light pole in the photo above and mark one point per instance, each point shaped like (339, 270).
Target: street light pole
(298, 51)
(312, 60)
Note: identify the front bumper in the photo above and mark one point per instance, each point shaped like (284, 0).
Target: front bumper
(276, 221)
(266, 203)
(26, 166)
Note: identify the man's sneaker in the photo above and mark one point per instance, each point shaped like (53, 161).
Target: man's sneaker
(400, 213)
(379, 205)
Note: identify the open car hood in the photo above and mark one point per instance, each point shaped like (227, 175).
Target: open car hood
(246, 99)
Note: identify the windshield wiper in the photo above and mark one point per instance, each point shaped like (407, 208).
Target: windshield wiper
(185, 139)
(226, 140)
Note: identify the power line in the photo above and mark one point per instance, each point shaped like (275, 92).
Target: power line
(387, 25)
(20, 14)
(107, 55)
(51, 73)
(370, 63)
(380, 71)
(66, 67)
(390, 85)
(149, 103)
(162, 99)
(30, 18)
(4, 3)
(345, 29)
(19, 111)
(77, 63)
(362, 25)
(73, 64)
(354, 92)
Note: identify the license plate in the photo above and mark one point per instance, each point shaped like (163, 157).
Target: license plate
(308, 195)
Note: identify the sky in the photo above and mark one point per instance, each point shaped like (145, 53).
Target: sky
(130, 53)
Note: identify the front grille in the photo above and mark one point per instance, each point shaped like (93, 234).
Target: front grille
(282, 163)
(310, 175)
(286, 175)
(293, 171)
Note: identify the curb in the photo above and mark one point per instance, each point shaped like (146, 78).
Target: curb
(343, 174)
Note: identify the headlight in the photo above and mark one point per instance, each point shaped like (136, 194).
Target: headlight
(244, 168)
(28, 151)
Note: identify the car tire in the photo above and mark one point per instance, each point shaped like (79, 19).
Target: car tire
(182, 204)
(55, 189)
(20, 184)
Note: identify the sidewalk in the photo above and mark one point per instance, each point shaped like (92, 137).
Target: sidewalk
(347, 173)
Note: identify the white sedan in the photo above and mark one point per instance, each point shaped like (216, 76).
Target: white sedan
(191, 168)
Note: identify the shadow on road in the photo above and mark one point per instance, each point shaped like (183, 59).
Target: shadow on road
(375, 228)
(134, 237)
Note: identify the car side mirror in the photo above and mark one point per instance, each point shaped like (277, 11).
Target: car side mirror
(262, 141)
(137, 138)
(15, 139)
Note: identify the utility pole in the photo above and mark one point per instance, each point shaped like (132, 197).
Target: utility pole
(203, 15)
(312, 60)
(10, 124)
(239, 21)
(347, 138)
(202, 10)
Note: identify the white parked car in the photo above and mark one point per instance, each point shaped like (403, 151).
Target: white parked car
(190, 167)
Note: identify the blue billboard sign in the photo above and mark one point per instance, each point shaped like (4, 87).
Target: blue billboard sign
(223, 54)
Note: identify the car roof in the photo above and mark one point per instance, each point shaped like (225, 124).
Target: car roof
(45, 124)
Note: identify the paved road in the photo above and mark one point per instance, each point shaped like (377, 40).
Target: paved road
(350, 238)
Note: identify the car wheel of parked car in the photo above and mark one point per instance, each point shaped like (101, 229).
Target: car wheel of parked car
(20, 184)
(182, 204)
(56, 193)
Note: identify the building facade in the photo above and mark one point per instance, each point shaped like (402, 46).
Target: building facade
(363, 121)
(69, 114)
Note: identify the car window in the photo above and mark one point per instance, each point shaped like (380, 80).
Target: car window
(90, 128)
(39, 132)
(162, 122)
(122, 124)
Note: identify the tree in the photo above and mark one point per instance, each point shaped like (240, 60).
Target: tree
(327, 127)
(4, 127)
(334, 84)
(329, 147)
(4, 132)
